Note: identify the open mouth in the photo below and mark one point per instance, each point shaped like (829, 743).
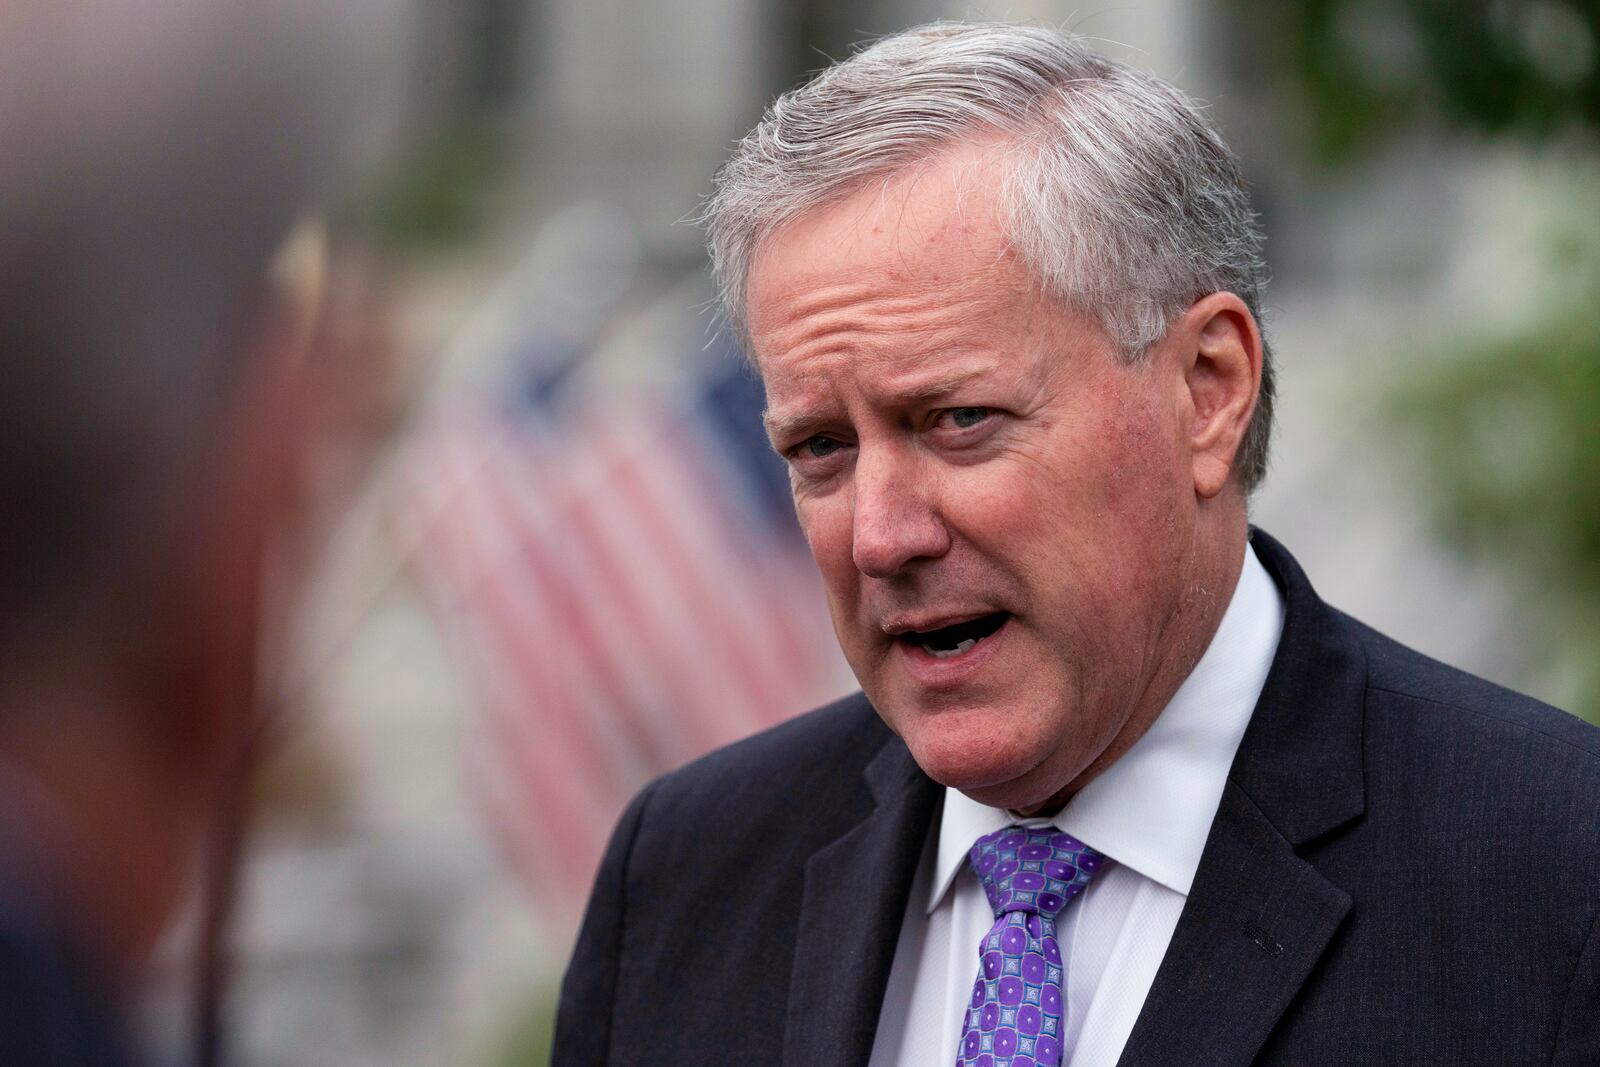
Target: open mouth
(948, 641)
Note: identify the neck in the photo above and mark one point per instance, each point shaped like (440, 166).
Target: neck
(1216, 561)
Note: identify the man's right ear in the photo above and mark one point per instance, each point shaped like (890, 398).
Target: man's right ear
(1221, 353)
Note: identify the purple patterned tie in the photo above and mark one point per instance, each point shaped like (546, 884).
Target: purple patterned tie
(1017, 1016)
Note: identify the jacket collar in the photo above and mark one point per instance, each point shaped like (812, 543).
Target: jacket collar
(855, 896)
(1301, 758)
(1260, 916)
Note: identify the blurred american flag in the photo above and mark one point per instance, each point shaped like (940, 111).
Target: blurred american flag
(622, 579)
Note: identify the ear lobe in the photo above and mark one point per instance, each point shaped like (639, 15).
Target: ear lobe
(1223, 376)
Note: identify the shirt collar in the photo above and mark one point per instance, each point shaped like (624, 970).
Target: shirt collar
(1152, 809)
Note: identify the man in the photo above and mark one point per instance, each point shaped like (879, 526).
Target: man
(1120, 788)
(157, 391)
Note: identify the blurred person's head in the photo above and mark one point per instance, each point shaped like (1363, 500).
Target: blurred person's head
(154, 157)
(1004, 296)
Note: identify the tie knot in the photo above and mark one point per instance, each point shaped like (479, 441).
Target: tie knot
(1034, 870)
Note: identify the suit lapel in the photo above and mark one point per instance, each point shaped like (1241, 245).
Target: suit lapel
(1257, 920)
(852, 905)
(1259, 916)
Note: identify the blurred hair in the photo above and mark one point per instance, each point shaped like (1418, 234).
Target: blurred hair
(1119, 194)
(156, 152)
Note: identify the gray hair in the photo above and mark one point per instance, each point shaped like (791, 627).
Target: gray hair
(1120, 195)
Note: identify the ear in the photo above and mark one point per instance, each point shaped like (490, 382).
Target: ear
(1222, 359)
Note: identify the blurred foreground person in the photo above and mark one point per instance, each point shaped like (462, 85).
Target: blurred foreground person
(1120, 787)
(154, 157)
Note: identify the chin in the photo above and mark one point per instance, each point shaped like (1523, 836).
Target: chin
(978, 759)
(995, 754)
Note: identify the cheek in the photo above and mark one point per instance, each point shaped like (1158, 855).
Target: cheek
(828, 526)
(1041, 501)
(1090, 517)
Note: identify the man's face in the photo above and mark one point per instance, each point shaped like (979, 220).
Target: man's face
(1002, 511)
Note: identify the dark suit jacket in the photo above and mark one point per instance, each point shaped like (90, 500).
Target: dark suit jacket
(1404, 869)
(55, 1009)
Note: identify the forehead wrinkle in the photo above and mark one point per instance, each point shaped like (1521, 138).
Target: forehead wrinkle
(908, 324)
(904, 276)
(862, 319)
(905, 360)
(916, 384)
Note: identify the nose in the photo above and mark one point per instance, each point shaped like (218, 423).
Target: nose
(895, 521)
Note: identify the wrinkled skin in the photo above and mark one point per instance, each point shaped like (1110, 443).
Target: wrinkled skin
(961, 444)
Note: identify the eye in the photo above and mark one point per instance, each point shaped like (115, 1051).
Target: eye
(966, 418)
(818, 447)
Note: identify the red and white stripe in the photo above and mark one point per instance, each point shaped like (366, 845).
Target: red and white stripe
(616, 611)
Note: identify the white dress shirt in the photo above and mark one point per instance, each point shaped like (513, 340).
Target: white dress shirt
(1149, 813)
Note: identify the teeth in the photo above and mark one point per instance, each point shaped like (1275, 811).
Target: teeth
(946, 653)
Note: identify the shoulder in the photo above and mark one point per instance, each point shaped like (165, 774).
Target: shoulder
(810, 750)
(1461, 819)
(1465, 778)
(1410, 694)
(1413, 712)
(1449, 769)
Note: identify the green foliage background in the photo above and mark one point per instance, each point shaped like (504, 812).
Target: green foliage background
(1507, 423)
(1521, 67)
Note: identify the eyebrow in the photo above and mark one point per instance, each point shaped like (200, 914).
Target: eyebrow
(785, 424)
